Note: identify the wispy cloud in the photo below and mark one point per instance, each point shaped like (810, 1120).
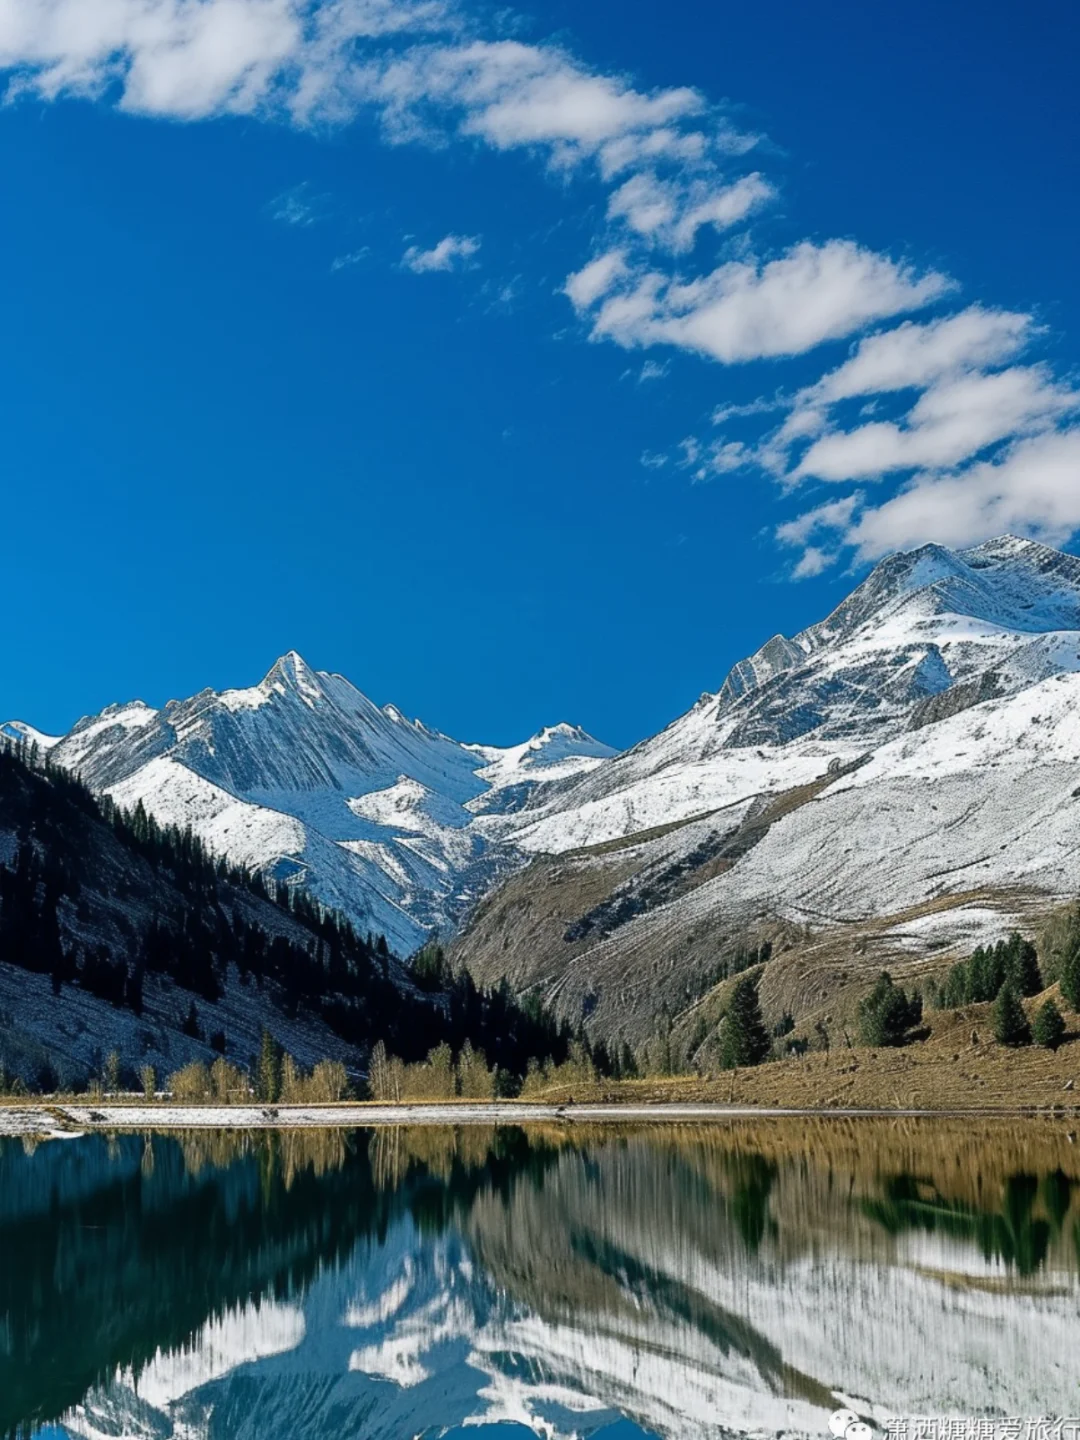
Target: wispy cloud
(354, 257)
(961, 448)
(298, 206)
(451, 253)
(1030, 488)
(653, 370)
(953, 419)
(595, 279)
(944, 419)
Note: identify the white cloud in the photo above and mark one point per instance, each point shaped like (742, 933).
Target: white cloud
(832, 516)
(168, 57)
(953, 419)
(722, 208)
(813, 561)
(677, 178)
(747, 311)
(911, 354)
(189, 59)
(647, 204)
(511, 94)
(717, 457)
(1033, 489)
(671, 212)
(971, 403)
(526, 95)
(450, 253)
(962, 409)
(683, 147)
(595, 279)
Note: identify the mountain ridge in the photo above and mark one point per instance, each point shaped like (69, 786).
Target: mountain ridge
(305, 778)
(410, 831)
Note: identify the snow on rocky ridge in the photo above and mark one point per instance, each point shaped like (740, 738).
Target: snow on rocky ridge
(304, 777)
(958, 670)
(929, 634)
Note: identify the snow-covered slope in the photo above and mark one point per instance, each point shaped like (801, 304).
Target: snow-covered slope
(919, 747)
(305, 778)
(928, 633)
(954, 671)
(19, 731)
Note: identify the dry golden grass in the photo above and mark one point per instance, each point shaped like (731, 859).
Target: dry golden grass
(959, 1067)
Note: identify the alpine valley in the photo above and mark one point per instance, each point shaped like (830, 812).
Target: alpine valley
(893, 783)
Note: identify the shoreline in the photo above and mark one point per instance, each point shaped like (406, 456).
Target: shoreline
(66, 1120)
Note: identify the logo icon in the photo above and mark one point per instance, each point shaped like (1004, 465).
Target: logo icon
(846, 1425)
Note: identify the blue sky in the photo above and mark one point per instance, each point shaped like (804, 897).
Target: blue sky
(522, 366)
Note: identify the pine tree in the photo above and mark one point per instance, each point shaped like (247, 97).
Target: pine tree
(1049, 1027)
(1010, 1021)
(1022, 966)
(984, 976)
(745, 1040)
(268, 1070)
(1069, 979)
(429, 967)
(888, 1013)
(662, 1053)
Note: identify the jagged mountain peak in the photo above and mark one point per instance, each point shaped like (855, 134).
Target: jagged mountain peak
(302, 770)
(552, 745)
(290, 676)
(1009, 582)
(292, 671)
(927, 634)
(1010, 547)
(400, 824)
(563, 734)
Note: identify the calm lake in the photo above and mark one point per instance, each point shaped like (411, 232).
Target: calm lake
(739, 1278)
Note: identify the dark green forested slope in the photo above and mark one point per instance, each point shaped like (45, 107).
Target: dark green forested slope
(105, 903)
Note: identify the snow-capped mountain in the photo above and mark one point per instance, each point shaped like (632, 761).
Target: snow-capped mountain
(911, 764)
(952, 670)
(928, 633)
(304, 777)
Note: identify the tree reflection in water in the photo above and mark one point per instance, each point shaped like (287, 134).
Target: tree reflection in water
(687, 1278)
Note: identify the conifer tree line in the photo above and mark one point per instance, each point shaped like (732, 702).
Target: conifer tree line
(1010, 972)
(889, 1016)
(980, 978)
(79, 859)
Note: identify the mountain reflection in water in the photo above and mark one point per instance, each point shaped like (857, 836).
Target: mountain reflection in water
(669, 1281)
